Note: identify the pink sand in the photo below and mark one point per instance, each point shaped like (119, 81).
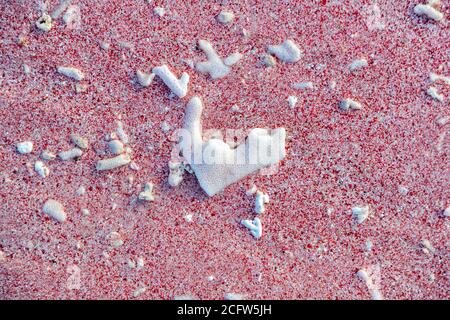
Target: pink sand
(311, 247)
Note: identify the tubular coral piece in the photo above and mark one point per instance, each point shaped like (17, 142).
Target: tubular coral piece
(178, 86)
(71, 72)
(429, 11)
(288, 51)
(113, 163)
(215, 173)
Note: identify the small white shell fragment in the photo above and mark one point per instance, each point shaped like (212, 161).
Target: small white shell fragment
(70, 154)
(115, 239)
(121, 133)
(81, 87)
(60, 8)
(71, 72)
(147, 194)
(232, 59)
(260, 200)
(288, 51)
(403, 190)
(302, 85)
(81, 191)
(139, 291)
(349, 104)
(55, 210)
(113, 163)
(116, 146)
(79, 141)
(447, 212)
(360, 213)
(24, 147)
(429, 10)
(268, 60)
(176, 173)
(144, 79)
(188, 218)
(357, 64)
(215, 66)
(26, 68)
(225, 17)
(85, 212)
(41, 169)
(47, 155)
(178, 86)
(292, 101)
(233, 296)
(252, 190)
(140, 263)
(427, 246)
(44, 23)
(436, 77)
(159, 11)
(433, 92)
(374, 291)
(254, 226)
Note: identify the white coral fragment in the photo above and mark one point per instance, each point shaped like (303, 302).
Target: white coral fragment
(288, 51)
(254, 226)
(71, 72)
(178, 86)
(360, 213)
(215, 164)
(55, 210)
(144, 79)
(429, 10)
(215, 66)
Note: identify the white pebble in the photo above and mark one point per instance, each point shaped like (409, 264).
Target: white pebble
(115, 239)
(147, 194)
(303, 85)
(44, 23)
(357, 64)
(24, 147)
(288, 51)
(70, 154)
(41, 169)
(225, 17)
(139, 291)
(159, 11)
(116, 146)
(55, 210)
(360, 213)
(349, 104)
(144, 79)
(71, 72)
(188, 218)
